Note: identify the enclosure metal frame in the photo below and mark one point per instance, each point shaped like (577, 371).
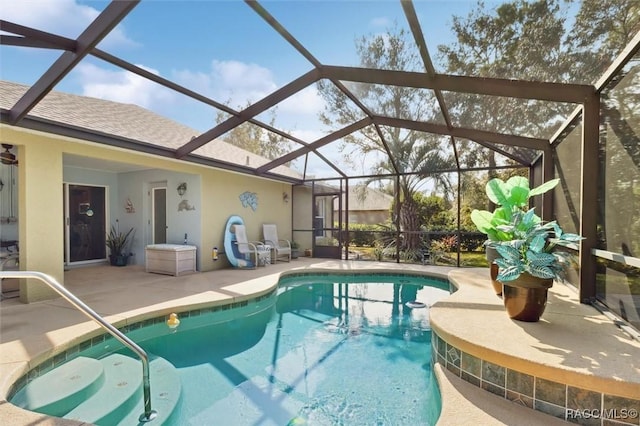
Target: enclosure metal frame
(586, 97)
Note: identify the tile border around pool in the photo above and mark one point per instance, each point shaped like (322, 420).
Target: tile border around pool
(557, 399)
(386, 273)
(61, 357)
(417, 274)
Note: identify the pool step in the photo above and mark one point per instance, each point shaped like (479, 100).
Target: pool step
(108, 392)
(63, 388)
(166, 389)
(122, 385)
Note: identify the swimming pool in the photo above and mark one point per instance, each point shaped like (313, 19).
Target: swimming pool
(323, 349)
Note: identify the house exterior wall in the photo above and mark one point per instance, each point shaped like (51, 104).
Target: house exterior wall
(213, 193)
(369, 217)
(40, 211)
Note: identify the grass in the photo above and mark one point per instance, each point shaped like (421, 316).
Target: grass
(474, 258)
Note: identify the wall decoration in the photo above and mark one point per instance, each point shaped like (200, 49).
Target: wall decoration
(184, 205)
(182, 188)
(249, 199)
(128, 207)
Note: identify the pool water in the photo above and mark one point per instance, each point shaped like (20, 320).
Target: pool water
(324, 350)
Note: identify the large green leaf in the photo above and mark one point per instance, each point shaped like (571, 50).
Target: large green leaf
(528, 218)
(509, 274)
(501, 216)
(537, 243)
(483, 220)
(540, 259)
(572, 238)
(541, 271)
(495, 235)
(502, 263)
(517, 181)
(509, 253)
(497, 192)
(544, 187)
(519, 196)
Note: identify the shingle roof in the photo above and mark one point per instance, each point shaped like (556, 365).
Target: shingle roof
(363, 198)
(128, 121)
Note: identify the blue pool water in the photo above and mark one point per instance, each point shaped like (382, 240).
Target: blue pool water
(323, 350)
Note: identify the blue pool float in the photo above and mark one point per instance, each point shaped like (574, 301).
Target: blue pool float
(234, 256)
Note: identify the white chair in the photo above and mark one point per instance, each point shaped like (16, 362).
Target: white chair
(251, 249)
(281, 248)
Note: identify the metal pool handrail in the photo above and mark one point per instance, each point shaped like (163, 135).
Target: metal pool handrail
(148, 414)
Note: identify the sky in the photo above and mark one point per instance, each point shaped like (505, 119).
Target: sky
(222, 49)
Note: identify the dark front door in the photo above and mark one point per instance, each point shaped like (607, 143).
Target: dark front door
(86, 219)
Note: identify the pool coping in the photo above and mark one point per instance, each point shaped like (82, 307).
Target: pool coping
(572, 358)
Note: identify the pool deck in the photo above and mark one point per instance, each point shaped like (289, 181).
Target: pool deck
(31, 333)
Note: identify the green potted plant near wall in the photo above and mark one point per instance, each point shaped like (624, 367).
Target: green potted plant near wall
(118, 244)
(529, 263)
(510, 197)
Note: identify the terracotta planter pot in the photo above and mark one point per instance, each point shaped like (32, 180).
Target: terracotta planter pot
(525, 298)
(492, 254)
(497, 285)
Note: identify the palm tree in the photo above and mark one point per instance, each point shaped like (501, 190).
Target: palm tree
(399, 151)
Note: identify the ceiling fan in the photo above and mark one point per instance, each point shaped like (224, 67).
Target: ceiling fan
(7, 157)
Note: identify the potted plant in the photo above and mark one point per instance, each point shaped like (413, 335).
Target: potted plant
(510, 197)
(529, 262)
(118, 243)
(295, 250)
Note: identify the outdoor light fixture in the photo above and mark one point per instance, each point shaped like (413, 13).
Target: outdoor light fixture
(6, 156)
(182, 188)
(285, 197)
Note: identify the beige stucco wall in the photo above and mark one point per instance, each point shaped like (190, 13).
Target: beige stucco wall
(220, 199)
(41, 210)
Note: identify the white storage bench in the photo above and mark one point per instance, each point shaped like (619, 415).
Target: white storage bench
(170, 259)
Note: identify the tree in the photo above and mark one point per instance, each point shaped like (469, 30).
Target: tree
(413, 152)
(473, 195)
(434, 212)
(518, 40)
(532, 40)
(608, 24)
(256, 139)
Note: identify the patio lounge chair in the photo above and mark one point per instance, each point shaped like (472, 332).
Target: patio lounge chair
(255, 252)
(281, 248)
